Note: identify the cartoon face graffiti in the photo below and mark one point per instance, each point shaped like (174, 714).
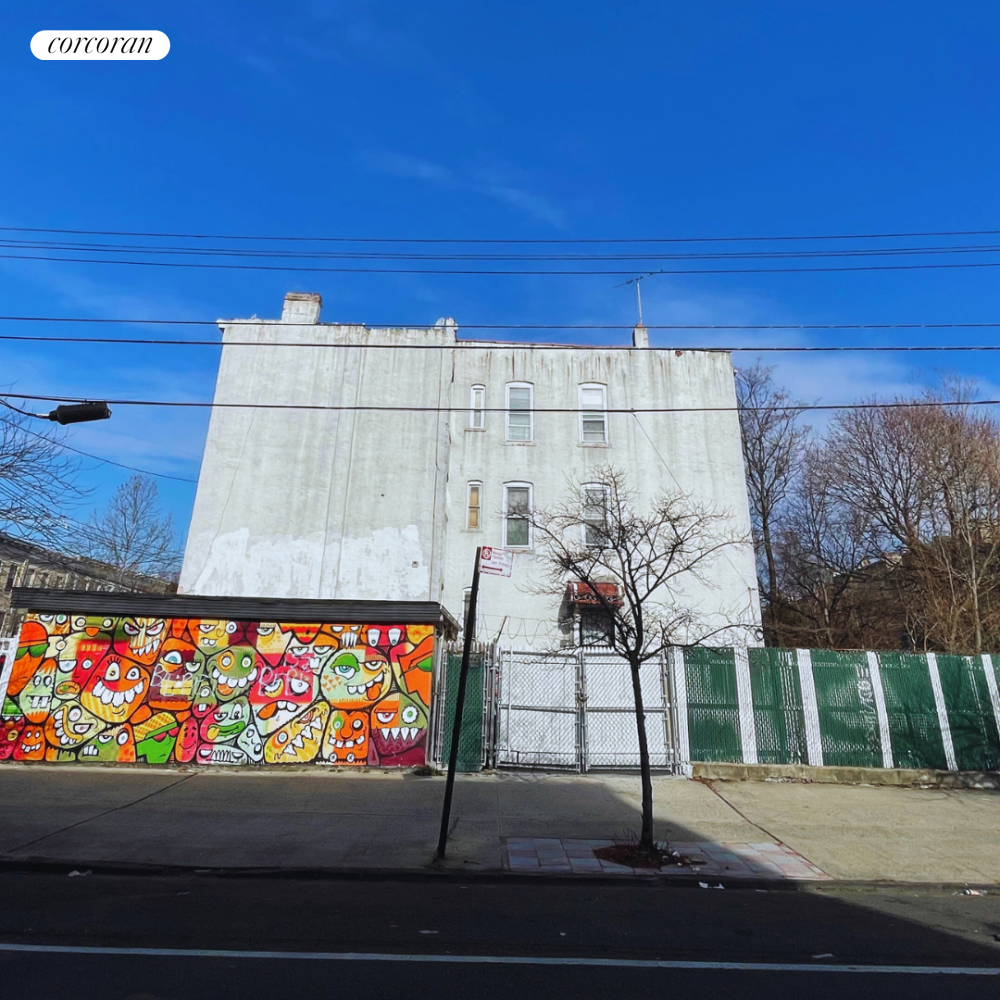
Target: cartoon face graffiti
(251, 744)
(140, 639)
(212, 634)
(315, 653)
(187, 741)
(226, 722)
(10, 735)
(115, 744)
(204, 699)
(346, 737)
(31, 649)
(116, 689)
(279, 694)
(89, 652)
(355, 679)
(155, 738)
(298, 741)
(383, 637)
(346, 635)
(399, 727)
(232, 671)
(271, 641)
(70, 725)
(36, 695)
(31, 744)
(175, 674)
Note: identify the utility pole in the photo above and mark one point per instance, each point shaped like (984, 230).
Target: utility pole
(456, 729)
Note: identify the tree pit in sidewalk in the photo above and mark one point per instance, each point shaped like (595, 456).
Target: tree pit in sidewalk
(636, 856)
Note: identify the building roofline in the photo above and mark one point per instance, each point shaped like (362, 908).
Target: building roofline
(237, 608)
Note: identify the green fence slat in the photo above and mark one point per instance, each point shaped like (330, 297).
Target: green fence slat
(848, 721)
(470, 737)
(777, 706)
(970, 714)
(914, 729)
(713, 708)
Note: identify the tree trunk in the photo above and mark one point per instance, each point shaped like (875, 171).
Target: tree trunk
(646, 834)
(772, 578)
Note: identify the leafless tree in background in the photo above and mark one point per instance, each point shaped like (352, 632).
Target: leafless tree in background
(598, 536)
(38, 481)
(774, 447)
(132, 533)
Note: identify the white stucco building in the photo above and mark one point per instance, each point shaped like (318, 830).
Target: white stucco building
(368, 503)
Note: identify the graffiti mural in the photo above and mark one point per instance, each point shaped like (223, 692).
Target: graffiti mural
(216, 691)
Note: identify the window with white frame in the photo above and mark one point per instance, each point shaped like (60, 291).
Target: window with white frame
(474, 506)
(516, 520)
(595, 516)
(477, 407)
(519, 416)
(593, 414)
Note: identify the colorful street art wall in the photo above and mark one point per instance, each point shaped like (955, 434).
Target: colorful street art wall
(211, 691)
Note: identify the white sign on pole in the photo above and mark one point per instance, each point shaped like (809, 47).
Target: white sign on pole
(496, 562)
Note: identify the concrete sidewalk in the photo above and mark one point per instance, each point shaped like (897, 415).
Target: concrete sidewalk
(389, 821)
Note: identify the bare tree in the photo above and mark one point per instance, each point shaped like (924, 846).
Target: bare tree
(641, 568)
(38, 480)
(132, 533)
(773, 452)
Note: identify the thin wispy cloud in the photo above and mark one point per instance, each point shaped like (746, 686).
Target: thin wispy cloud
(500, 183)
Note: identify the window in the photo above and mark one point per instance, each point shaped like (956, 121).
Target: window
(466, 604)
(517, 507)
(474, 506)
(593, 416)
(597, 627)
(595, 516)
(519, 416)
(477, 408)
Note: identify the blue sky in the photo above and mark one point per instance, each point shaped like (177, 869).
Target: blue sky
(511, 120)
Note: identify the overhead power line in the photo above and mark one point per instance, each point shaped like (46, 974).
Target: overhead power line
(193, 404)
(514, 344)
(566, 272)
(455, 240)
(515, 326)
(396, 255)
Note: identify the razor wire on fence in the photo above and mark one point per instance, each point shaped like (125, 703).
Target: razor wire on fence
(574, 709)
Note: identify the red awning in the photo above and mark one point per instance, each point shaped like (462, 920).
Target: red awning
(578, 592)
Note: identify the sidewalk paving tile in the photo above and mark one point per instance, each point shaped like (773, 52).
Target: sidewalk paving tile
(550, 854)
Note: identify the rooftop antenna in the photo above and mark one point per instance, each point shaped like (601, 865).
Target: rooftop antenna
(640, 336)
(638, 297)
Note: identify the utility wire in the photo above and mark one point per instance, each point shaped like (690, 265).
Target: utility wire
(516, 326)
(512, 344)
(537, 409)
(382, 255)
(383, 239)
(496, 272)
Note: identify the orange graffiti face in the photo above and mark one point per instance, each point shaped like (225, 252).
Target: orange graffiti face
(116, 689)
(31, 745)
(140, 639)
(174, 675)
(187, 741)
(346, 739)
(30, 652)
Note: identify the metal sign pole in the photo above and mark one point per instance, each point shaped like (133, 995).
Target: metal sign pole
(463, 677)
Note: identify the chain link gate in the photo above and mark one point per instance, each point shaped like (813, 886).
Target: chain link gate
(575, 710)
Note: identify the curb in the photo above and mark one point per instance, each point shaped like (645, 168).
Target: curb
(433, 874)
(899, 777)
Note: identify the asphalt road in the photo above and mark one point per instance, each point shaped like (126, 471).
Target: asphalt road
(418, 938)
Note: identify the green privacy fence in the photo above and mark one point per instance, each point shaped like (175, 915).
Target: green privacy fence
(470, 737)
(857, 709)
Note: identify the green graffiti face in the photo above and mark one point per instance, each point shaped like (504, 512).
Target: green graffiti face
(155, 738)
(355, 679)
(232, 671)
(36, 696)
(226, 722)
(411, 711)
(112, 744)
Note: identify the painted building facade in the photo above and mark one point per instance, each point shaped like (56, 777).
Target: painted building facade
(141, 679)
(365, 463)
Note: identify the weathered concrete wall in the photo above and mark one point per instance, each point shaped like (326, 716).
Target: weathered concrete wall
(372, 504)
(213, 691)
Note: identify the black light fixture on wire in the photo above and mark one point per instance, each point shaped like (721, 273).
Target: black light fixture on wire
(68, 413)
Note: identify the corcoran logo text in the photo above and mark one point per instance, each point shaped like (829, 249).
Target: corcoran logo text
(100, 45)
